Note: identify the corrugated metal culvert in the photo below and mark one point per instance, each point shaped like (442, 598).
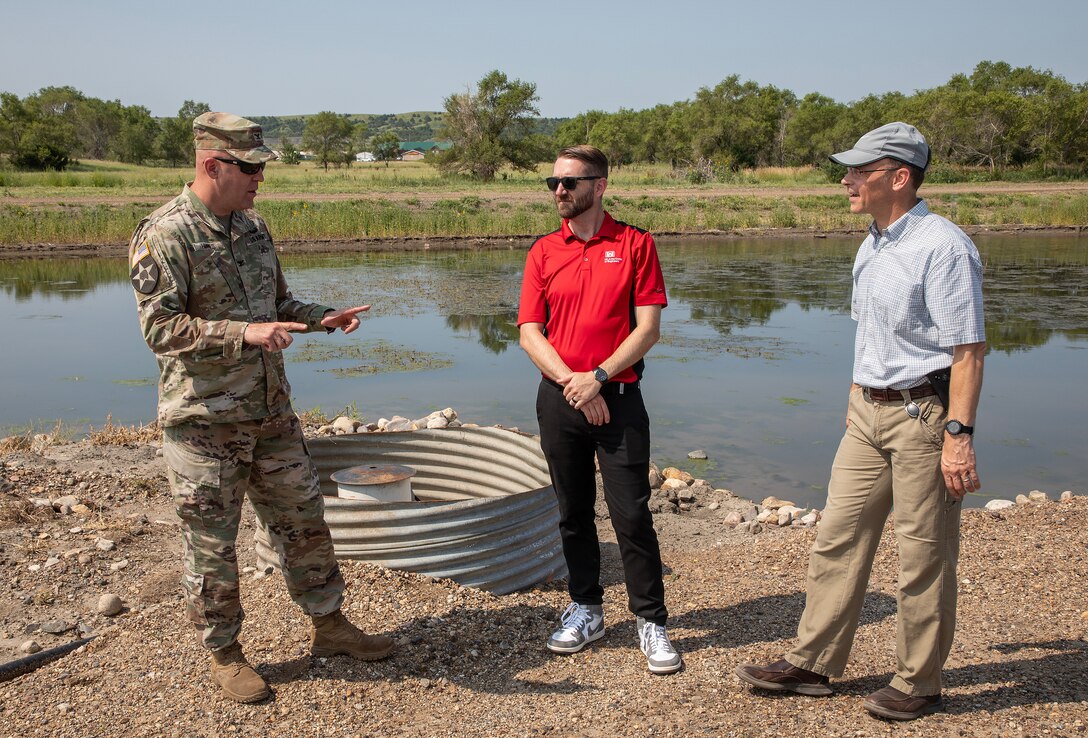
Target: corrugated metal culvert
(485, 516)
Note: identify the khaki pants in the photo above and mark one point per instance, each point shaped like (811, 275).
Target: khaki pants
(885, 459)
(212, 467)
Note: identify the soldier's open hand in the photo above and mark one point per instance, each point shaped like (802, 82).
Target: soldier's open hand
(346, 319)
(272, 336)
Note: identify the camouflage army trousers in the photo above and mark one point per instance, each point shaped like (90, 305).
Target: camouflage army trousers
(212, 467)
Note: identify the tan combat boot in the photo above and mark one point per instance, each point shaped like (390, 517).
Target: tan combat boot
(334, 635)
(236, 677)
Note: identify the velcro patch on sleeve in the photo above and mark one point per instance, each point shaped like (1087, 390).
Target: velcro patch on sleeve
(145, 272)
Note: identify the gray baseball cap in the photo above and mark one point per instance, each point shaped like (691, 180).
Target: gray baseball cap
(895, 140)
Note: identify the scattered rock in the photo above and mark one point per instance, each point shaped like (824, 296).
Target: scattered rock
(788, 513)
(699, 455)
(81, 510)
(109, 605)
(774, 503)
(672, 472)
(1038, 496)
(995, 505)
(119, 565)
(733, 519)
(29, 647)
(344, 424)
(65, 504)
(397, 423)
(672, 483)
(656, 478)
(104, 544)
(56, 626)
(1067, 496)
(1022, 500)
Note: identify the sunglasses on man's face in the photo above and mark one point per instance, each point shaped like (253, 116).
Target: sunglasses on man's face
(244, 166)
(569, 183)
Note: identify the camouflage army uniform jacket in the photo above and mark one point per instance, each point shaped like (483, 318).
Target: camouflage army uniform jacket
(196, 290)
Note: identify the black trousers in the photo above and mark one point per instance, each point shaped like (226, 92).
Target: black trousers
(622, 447)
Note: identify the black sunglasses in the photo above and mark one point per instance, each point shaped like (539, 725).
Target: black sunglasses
(244, 166)
(569, 183)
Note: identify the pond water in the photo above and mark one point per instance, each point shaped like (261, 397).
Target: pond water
(753, 366)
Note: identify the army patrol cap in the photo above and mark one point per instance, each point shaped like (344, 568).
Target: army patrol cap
(239, 137)
(898, 141)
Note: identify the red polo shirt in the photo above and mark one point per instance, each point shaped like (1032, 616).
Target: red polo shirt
(585, 292)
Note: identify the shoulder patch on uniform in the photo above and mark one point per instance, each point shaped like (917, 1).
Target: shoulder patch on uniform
(145, 272)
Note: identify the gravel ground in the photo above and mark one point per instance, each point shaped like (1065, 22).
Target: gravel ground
(470, 663)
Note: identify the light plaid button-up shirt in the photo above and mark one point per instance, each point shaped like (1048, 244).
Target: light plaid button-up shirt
(917, 294)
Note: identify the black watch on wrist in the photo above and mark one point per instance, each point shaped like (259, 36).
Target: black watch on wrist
(955, 428)
(600, 375)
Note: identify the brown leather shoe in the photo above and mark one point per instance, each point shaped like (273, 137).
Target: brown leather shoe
(895, 705)
(236, 677)
(782, 676)
(334, 635)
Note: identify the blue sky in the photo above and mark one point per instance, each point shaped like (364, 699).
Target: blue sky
(283, 58)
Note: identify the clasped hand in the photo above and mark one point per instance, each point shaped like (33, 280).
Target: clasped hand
(583, 392)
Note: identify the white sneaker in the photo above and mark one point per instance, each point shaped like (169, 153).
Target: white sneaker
(661, 657)
(579, 626)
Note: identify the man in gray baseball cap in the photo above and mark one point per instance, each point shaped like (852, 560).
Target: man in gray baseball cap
(918, 356)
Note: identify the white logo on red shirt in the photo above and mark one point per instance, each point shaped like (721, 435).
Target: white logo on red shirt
(611, 258)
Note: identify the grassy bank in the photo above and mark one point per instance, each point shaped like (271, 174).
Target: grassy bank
(100, 204)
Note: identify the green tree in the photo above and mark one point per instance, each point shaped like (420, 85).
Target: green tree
(740, 123)
(174, 143)
(14, 118)
(97, 124)
(616, 135)
(42, 132)
(385, 147)
(489, 127)
(288, 153)
(135, 139)
(329, 137)
(577, 130)
(810, 131)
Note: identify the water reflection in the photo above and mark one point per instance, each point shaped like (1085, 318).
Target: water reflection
(1035, 286)
(752, 366)
(68, 279)
(494, 332)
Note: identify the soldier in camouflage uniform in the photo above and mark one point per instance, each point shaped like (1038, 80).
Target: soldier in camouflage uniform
(214, 307)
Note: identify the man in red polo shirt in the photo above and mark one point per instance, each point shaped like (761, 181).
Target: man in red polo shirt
(591, 302)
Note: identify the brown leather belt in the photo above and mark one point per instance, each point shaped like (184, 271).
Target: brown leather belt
(893, 395)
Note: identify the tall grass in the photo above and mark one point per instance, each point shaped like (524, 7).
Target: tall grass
(480, 216)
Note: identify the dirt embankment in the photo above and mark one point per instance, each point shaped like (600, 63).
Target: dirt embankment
(470, 663)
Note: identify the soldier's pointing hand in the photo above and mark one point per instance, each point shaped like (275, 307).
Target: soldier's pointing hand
(347, 319)
(272, 336)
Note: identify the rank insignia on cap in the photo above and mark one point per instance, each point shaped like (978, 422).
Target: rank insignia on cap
(145, 271)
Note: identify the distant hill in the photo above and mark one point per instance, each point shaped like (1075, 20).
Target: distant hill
(416, 126)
